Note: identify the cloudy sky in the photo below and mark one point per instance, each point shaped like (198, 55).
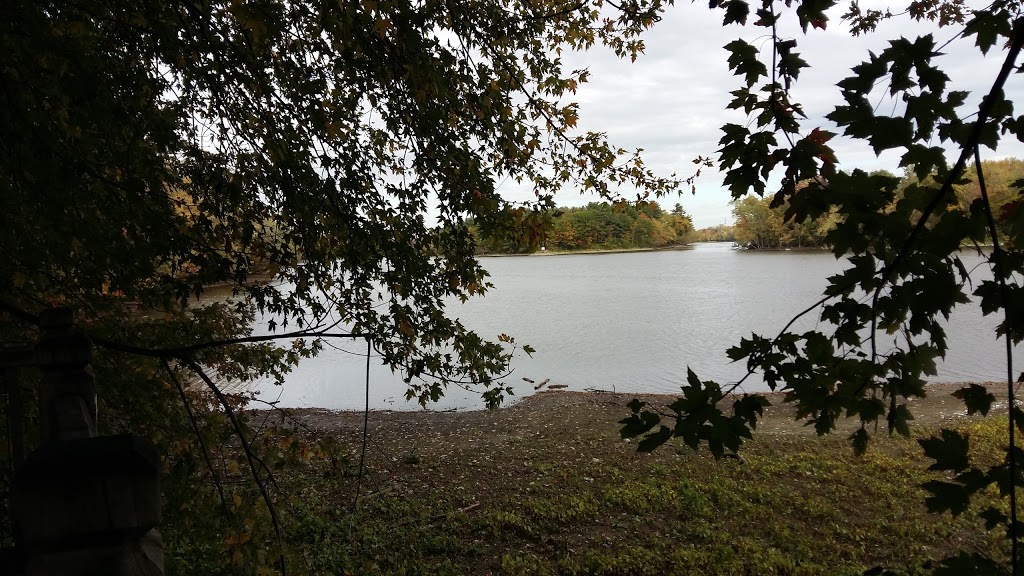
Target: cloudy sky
(671, 101)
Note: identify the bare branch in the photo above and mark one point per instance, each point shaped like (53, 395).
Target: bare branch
(366, 427)
(1004, 293)
(250, 456)
(186, 350)
(199, 437)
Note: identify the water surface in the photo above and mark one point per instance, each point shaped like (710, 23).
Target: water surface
(628, 322)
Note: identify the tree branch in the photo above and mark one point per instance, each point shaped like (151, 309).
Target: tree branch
(557, 14)
(186, 350)
(366, 428)
(250, 456)
(1004, 293)
(984, 110)
(199, 437)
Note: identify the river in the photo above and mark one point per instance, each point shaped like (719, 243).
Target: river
(628, 322)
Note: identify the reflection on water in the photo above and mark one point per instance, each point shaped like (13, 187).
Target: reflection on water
(628, 322)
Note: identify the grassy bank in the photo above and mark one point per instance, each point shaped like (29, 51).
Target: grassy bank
(547, 487)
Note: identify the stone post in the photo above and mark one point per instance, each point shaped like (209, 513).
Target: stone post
(83, 505)
(67, 393)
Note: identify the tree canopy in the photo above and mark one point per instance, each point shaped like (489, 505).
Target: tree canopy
(151, 149)
(881, 320)
(719, 233)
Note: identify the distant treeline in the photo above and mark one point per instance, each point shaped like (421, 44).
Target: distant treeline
(720, 233)
(758, 225)
(596, 226)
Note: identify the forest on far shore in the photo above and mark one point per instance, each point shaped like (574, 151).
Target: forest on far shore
(596, 226)
(758, 225)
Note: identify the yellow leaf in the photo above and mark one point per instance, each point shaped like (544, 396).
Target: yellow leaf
(382, 27)
(405, 328)
(333, 129)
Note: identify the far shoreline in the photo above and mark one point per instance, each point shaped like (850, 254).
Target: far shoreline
(575, 252)
(683, 247)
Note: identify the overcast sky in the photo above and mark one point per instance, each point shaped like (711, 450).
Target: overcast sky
(671, 101)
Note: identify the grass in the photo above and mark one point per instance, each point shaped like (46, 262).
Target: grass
(562, 495)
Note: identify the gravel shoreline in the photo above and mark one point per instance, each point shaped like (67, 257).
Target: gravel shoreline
(599, 408)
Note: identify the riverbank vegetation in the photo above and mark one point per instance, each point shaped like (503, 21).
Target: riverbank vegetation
(759, 225)
(761, 222)
(596, 226)
(547, 487)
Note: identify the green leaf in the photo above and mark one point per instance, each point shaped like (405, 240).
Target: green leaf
(638, 423)
(750, 407)
(860, 439)
(899, 420)
(1018, 417)
(692, 379)
(946, 496)
(887, 133)
(865, 76)
(736, 12)
(654, 440)
(819, 348)
(812, 13)
(790, 63)
(950, 452)
(870, 409)
(743, 61)
(988, 27)
(971, 563)
(976, 398)
(751, 154)
(924, 159)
